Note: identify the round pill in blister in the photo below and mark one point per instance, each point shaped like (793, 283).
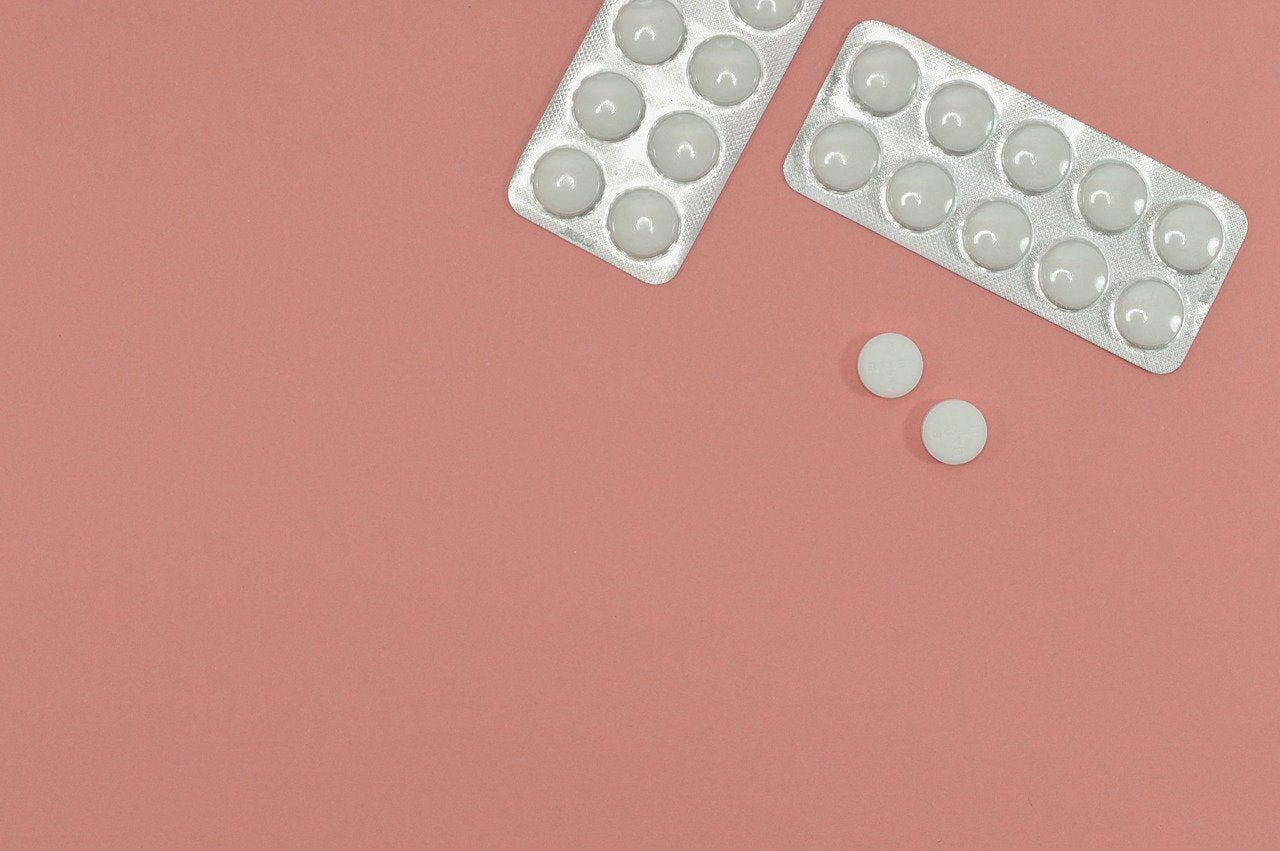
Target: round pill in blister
(960, 118)
(1188, 237)
(1036, 157)
(1149, 314)
(1073, 274)
(890, 366)
(567, 182)
(644, 223)
(1113, 196)
(649, 31)
(844, 156)
(724, 70)
(608, 107)
(684, 147)
(884, 78)
(997, 235)
(920, 195)
(954, 432)
(767, 14)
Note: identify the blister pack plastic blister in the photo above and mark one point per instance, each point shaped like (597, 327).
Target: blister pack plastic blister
(649, 121)
(1019, 198)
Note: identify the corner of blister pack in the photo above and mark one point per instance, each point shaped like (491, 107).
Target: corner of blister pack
(513, 198)
(790, 173)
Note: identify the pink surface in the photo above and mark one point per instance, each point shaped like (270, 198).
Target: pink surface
(340, 506)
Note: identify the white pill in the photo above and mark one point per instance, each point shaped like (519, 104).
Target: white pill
(684, 147)
(884, 78)
(608, 107)
(724, 70)
(844, 156)
(960, 118)
(997, 235)
(890, 366)
(1188, 237)
(644, 223)
(954, 432)
(1073, 274)
(649, 31)
(1036, 157)
(767, 14)
(920, 195)
(1113, 196)
(567, 182)
(1149, 314)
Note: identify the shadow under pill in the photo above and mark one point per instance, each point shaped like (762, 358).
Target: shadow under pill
(911, 430)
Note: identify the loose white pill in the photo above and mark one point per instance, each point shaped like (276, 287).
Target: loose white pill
(1149, 314)
(767, 14)
(884, 78)
(644, 223)
(1073, 274)
(649, 31)
(960, 118)
(954, 432)
(1188, 237)
(567, 182)
(1036, 157)
(684, 147)
(844, 156)
(1113, 196)
(997, 235)
(890, 366)
(724, 70)
(920, 195)
(608, 107)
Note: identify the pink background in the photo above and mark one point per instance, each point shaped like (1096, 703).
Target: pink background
(341, 506)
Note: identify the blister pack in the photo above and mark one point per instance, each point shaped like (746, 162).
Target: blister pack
(648, 122)
(1019, 198)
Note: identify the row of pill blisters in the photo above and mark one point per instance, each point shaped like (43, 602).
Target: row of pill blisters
(1019, 198)
(648, 122)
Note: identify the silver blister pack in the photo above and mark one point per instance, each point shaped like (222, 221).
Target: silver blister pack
(1019, 198)
(648, 122)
